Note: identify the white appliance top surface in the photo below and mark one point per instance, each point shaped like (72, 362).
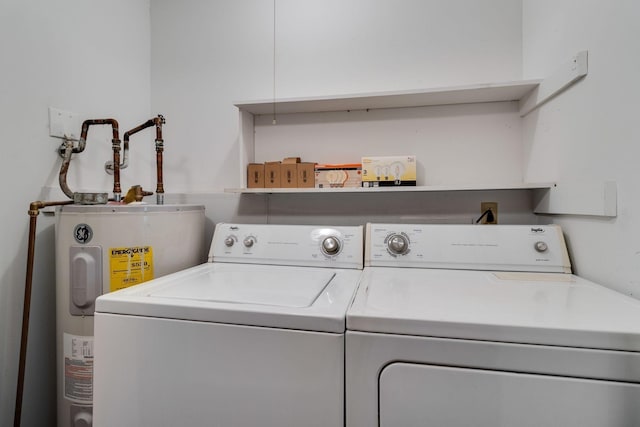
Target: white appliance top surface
(519, 307)
(276, 286)
(305, 298)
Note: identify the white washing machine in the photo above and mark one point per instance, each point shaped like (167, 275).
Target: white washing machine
(465, 325)
(255, 337)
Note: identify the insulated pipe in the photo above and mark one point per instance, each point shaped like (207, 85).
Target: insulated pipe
(34, 210)
(157, 122)
(115, 143)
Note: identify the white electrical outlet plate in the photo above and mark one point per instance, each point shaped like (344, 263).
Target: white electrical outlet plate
(63, 123)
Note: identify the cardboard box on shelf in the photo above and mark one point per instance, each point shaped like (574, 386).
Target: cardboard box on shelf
(272, 174)
(306, 175)
(291, 160)
(289, 175)
(255, 175)
(338, 175)
(378, 171)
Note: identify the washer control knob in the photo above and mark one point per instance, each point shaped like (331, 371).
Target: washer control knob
(331, 245)
(398, 244)
(228, 242)
(541, 246)
(249, 241)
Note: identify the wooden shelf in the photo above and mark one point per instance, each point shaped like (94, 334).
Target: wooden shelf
(490, 92)
(419, 189)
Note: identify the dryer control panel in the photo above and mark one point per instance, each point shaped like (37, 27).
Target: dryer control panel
(302, 245)
(470, 247)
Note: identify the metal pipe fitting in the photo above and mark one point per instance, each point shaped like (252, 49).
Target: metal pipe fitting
(159, 143)
(159, 159)
(67, 150)
(34, 211)
(115, 144)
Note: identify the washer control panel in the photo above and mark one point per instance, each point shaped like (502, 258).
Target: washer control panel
(302, 245)
(462, 246)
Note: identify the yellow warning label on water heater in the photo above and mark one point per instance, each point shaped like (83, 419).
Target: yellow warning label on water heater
(130, 266)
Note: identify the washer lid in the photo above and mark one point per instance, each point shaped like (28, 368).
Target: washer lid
(536, 308)
(266, 286)
(303, 298)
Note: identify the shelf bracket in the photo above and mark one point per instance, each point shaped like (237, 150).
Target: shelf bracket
(555, 84)
(578, 198)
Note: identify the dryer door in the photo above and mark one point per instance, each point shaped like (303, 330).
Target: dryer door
(426, 395)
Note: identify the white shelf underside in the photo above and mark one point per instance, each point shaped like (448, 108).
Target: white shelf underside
(490, 92)
(407, 189)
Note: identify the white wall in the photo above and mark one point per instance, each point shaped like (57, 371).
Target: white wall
(85, 56)
(206, 55)
(589, 134)
(94, 59)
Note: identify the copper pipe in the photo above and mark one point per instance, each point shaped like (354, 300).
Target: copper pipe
(157, 122)
(125, 140)
(115, 143)
(143, 126)
(117, 192)
(64, 168)
(159, 150)
(34, 211)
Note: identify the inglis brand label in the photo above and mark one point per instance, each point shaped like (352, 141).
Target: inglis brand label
(130, 266)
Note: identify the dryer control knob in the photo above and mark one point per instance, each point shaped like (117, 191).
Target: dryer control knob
(249, 241)
(541, 246)
(228, 242)
(398, 244)
(331, 245)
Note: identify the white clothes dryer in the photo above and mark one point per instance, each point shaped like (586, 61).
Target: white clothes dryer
(468, 325)
(255, 337)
